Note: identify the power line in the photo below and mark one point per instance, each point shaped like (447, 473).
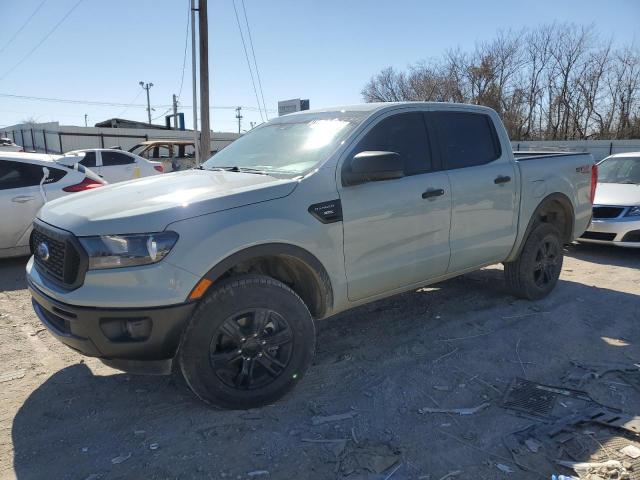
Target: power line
(44, 39)
(112, 104)
(186, 38)
(255, 62)
(130, 103)
(23, 25)
(244, 45)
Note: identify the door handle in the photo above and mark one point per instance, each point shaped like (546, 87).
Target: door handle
(433, 192)
(22, 199)
(502, 179)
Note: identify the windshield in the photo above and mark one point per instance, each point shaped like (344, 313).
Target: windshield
(290, 147)
(619, 170)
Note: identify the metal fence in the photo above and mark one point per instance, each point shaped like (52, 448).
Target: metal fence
(48, 139)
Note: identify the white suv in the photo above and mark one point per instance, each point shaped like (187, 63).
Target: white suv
(114, 165)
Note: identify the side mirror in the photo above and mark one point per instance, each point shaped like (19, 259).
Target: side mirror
(373, 166)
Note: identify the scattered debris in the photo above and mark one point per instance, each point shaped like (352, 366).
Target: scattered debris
(457, 411)
(370, 458)
(120, 459)
(441, 357)
(154, 446)
(12, 375)
(631, 451)
(139, 432)
(537, 400)
(532, 445)
(324, 440)
(611, 469)
(442, 388)
(319, 420)
(258, 473)
(453, 474)
(504, 468)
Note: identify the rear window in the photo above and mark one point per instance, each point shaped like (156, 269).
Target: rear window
(110, 159)
(466, 139)
(20, 175)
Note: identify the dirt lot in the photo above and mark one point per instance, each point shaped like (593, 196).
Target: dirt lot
(456, 344)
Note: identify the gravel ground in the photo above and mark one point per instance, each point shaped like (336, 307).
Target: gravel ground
(456, 344)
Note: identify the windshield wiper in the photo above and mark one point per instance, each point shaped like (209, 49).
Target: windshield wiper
(238, 169)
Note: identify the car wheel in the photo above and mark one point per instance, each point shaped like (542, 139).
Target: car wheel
(249, 342)
(536, 271)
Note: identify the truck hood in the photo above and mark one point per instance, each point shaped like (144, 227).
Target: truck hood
(149, 204)
(622, 194)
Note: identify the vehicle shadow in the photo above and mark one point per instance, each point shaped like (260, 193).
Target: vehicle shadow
(605, 254)
(13, 274)
(380, 361)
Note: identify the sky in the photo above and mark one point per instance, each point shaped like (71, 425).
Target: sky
(323, 50)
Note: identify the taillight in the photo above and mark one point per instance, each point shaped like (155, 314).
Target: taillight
(158, 168)
(86, 184)
(21, 150)
(594, 183)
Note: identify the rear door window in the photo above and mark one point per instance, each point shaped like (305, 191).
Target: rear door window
(89, 159)
(110, 159)
(20, 175)
(466, 139)
(405, 134)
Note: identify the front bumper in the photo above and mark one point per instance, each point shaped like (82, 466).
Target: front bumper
(125, 338)
(623, 232)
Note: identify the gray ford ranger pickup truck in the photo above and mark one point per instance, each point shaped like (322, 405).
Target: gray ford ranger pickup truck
(223, 270)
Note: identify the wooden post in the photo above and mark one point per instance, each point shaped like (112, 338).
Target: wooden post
(205, 128)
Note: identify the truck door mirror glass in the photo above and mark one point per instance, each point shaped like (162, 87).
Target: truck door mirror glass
(373, 166)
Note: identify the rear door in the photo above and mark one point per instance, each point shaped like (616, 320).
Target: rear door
(20, 199)
(483, 184)
(395, 235)
(118, 166)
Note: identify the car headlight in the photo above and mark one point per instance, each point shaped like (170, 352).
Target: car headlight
(633, 212)
(114, 251)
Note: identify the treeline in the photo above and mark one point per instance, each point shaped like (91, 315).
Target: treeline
(555, 82)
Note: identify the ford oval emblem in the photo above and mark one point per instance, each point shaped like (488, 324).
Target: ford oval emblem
(42, 250)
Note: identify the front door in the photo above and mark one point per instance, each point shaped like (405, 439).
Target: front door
(396, 232)
(20, 200)
(484, 217)
(118, 166)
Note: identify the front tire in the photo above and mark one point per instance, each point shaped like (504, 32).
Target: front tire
(249, 342)
(536, 271)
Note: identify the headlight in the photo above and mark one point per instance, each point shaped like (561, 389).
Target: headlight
(633, 212)
(114, 251)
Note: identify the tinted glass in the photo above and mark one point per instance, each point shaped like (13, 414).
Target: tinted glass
(110, 159)
(19, 175)
(404, 134)
(619, 170)
(89, 159)
(466, 139)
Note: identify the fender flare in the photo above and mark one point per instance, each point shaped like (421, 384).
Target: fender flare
(314, 266)
(565, 202)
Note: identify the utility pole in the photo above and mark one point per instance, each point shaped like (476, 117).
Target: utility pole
(85, 119)
(147, 86)
(239, 117)
(205, 130)
(194, 84)
(175, 112)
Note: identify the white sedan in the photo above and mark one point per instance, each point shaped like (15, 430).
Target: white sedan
(616, 209)
(112, 164)
(8, 145)
(27, 181)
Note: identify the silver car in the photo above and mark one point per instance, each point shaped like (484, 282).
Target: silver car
(616, 209)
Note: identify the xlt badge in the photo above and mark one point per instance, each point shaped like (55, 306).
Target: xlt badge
(327, 212)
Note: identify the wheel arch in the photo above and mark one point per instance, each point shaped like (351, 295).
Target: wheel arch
(294, 266)
(555, 209)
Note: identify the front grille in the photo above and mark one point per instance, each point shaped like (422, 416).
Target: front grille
(607, 212)
(599, 236)
(57, 255)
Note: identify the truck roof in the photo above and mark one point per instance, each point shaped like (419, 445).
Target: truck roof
(380, 106)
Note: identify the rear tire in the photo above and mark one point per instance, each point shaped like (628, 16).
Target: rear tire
(249, 342)
(536, 271)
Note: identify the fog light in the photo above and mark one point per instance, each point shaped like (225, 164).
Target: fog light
(138, 329)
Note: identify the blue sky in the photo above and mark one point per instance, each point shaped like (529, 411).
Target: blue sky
(324, 50)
